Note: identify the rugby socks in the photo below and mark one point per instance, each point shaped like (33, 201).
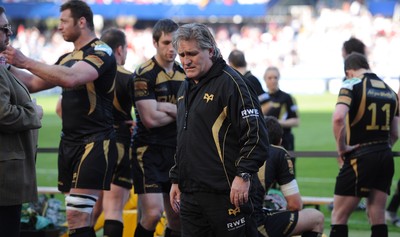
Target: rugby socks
(87, 231)
(171, 233)
(113, 228)
(311, 234)
(379, 230)
(339, 231)
(142, 232)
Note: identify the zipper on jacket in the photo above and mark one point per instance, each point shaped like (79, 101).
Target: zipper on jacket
(186, 116)
(186, 104)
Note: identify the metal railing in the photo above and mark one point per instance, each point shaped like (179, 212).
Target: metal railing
(309, 154)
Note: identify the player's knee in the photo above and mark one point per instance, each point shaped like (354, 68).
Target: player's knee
(319, 219)
(151, 217)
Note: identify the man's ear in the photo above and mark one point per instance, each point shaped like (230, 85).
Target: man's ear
(119, 50)
(349, 73)
(211, 52)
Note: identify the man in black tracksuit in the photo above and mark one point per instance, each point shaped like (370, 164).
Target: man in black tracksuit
(222, 141)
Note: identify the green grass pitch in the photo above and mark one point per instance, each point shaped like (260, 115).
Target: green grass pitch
(316, 176)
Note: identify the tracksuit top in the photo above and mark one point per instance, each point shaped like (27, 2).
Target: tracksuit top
(221, 131)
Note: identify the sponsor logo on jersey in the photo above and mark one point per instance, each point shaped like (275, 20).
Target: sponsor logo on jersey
(236, 224)
(349, 83)
(208, 97)
(233, 211)
(103, 47)
(249, 113)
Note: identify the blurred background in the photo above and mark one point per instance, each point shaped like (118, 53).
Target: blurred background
(303, 38)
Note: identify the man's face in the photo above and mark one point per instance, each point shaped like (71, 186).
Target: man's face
(165, 50)
(5, 32)
(68, 27)
(195, 61)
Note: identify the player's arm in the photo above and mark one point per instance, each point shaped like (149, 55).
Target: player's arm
(293, 119)
(288, 123)
(80, 73)
(168, 108)
(32, 82)
(339, 127)
(150, 116)
(292, 195)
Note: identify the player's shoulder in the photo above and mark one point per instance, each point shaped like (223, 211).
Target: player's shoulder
(350, 83)
(123, 70)
(100, 46)
(278, 152)
(145, 67)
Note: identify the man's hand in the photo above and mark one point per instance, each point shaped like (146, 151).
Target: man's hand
(239, 191)
(346, 149)
(175, 198)
(38, 109)
(15, 57)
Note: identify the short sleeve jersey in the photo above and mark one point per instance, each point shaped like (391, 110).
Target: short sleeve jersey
(123, 104)
(372, 104)
(255, 83)
(152, 82)
(87, 109)
(283, 107)
(278, 168)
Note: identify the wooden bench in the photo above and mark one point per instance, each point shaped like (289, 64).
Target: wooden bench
(316, 201)
(48, 190)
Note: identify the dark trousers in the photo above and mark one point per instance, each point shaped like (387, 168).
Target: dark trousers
(212, 215)
(10, 219)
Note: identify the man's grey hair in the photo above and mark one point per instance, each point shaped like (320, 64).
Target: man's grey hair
(200, 33)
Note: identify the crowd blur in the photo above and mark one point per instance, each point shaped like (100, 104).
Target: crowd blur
(306, 45)
(174, 2)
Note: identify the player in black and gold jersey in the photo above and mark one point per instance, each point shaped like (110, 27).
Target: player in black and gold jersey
(87, 152)
(283, 107)
(115, 199)
(365, 125)
(156, 84)
(289, 218)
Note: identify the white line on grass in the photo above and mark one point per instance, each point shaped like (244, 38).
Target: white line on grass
(47, 171)
(316, 180)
